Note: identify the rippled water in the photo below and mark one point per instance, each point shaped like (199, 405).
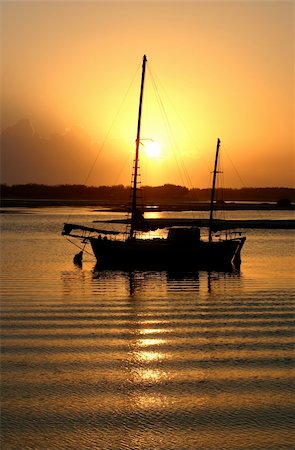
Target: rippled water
(143, 360)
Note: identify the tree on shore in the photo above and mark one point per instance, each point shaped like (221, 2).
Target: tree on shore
(167, 192)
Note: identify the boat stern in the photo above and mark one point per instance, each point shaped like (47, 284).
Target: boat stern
(236, 260)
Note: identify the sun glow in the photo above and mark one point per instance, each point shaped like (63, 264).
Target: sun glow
(152, 149)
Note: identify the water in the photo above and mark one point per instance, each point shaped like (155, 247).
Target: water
(143, 360)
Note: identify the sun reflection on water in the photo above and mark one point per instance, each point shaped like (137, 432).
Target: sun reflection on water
(145, 358)
(148, 375)
(147, 401)
(149, 342)
(151, 331)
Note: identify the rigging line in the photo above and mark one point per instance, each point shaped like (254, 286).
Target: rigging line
(220, 187)
(111, 126)
(179, 161)
(171, 137)
(235, 169)
(116, 180)
(259, 212)
(186, 129)
(108, 133)
(81, 248)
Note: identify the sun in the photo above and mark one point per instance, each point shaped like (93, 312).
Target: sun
(152, 149)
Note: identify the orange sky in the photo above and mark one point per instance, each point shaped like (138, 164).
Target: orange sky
(223, 69)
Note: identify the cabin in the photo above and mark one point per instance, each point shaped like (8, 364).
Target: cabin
(182, 235)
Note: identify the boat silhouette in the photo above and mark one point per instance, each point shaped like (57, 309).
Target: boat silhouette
(183, 248)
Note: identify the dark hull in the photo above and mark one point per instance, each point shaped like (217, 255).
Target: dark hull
(161, 254)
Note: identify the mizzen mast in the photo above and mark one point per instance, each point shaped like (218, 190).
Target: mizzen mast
(134, 183)
(213, 190)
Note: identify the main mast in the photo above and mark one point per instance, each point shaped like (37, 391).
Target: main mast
(134, 187)
(213, 190)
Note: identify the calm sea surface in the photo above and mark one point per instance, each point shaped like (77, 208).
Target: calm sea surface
(144, 360)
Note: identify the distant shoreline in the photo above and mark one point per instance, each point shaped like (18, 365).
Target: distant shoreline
(8, 206)
(153, 206)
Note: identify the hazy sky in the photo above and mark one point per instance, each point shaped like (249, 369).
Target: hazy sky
(70, 85)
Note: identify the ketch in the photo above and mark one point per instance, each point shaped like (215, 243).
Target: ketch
(182, 249)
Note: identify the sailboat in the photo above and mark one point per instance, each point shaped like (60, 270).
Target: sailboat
(182, 248)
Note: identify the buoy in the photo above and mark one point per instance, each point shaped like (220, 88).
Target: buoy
(78, 258)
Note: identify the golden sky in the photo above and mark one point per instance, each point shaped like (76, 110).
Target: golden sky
(222, 69)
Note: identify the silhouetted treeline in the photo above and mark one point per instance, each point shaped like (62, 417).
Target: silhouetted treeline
(120, 193)
(268, 194)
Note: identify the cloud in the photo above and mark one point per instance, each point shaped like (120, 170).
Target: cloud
(26, 157)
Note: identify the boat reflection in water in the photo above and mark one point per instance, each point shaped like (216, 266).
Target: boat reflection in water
(164, 284)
